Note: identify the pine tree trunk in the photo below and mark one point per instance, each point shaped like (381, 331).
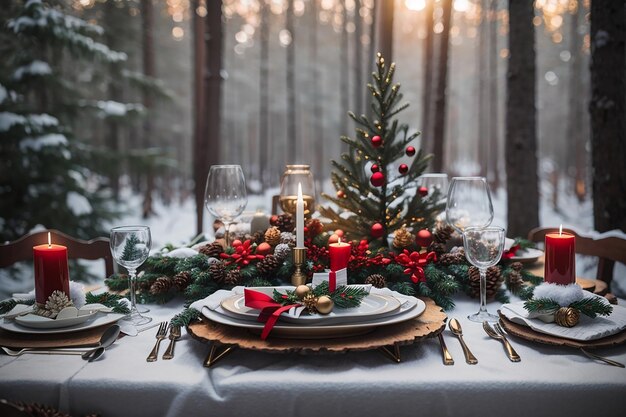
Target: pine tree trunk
(113, 128)
(384, 30)
(292, 138)
(440, 100)
(427, 87)
(149, 69)
(483, 113)
(521, 136)
(344, 99)
(264, 96)
(357, 62)
(318, 120)
(200, 170)
(494, 132)
(607, 107)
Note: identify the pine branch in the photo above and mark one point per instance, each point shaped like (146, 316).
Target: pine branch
(109, 300)
(8, 304)
(592, 307)
(541, 305)
(186, 317)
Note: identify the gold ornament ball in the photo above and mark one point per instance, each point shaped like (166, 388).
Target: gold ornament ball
(302, 291)
(324, 305)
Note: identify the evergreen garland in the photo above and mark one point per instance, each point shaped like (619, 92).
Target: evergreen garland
(8, 304)
(109, 300)
(591, 306)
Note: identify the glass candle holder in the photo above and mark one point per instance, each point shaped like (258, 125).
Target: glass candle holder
(294, 175)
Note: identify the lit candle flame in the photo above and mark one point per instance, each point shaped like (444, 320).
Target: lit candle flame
(560, 230)
(49, 241)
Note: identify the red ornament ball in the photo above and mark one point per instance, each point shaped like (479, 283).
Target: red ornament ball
(375, 168)
(377, 230)
(410, 150)
(403, 169)
(376, 141)
(334, 238)
(341, 194)
(339, 232)
(273, 219)
(263, 248)
(423, 191)
(377, 179)
(236, 243)
(424, 238)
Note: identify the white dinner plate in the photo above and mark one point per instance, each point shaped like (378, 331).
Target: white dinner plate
(529, 255)
(96, 320)
(372, 306)
(407, 311)
(39, 322)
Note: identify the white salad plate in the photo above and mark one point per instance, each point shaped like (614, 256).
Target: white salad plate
(92, 320)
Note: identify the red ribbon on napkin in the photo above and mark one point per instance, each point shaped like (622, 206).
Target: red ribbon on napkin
(332, 281)
(270, 309)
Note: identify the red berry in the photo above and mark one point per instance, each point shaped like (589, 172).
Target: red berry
(424, 238)
(423, 191)
(403, 169)
(376, 141)
(375, 168)
(410, 151)
(377, 230)
(377, 179)
(341, 194)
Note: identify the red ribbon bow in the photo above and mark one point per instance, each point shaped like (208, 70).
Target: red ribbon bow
(508, 254)
(414, 262)
(270, 309)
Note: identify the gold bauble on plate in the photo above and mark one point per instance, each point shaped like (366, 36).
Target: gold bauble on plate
(302, 291)
(567, 317)
(324, 305)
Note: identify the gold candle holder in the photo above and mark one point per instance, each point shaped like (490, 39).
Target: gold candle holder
(298, 277)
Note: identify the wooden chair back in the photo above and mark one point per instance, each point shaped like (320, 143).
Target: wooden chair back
(22, 248)
(608, 250)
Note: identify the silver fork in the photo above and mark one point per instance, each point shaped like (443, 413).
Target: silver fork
(159, 336)
(20, 352)
(495, 334)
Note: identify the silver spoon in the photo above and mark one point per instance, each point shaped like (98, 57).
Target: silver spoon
(107, 339)
(455, 327)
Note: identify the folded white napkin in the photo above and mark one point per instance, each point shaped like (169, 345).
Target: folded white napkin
(586, 329)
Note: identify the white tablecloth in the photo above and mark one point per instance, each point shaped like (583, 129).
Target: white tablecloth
(548, 381)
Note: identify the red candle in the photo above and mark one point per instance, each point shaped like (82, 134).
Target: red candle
(339, 255)
(51, 270)
(560, 258)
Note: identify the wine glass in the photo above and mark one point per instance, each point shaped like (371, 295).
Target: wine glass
(225, 195)
(130, 247)
(294, 175)
(436, 183)
(469, 203)
(483, 248)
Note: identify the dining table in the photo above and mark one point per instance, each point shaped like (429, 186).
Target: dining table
(548, 381)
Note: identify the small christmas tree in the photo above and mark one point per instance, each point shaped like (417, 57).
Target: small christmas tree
(373, 185)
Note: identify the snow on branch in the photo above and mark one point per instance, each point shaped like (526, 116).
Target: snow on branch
(37, 143)
(35, 68)
(33, 123)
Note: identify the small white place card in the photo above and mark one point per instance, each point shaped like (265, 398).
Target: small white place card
(341, 278)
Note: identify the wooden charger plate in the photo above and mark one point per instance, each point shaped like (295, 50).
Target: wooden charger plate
(527, 333)
(429, 324)
(90, 337)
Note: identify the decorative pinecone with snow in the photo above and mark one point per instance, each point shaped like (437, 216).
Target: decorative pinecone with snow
(212, 250)
(39, 410)
(282, 251)
(56, 302)
(233, 277)
(182, 280)
(452, 258)
(376, 280)
(314, 227)
(443, 233)
(269, 264)
(438, 248)
(217, 271)
(402, 238)
(288, 238)
(284, 222)
(161, 285)
(494, 281)
(272, 235)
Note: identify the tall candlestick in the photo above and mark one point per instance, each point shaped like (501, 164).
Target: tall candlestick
(300, 218)
(339, 254)
(51, 270)
(560, 258)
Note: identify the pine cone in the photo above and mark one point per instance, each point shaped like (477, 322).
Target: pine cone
(212, 250)
(517, 266)
(258, 237)
(402, 238)
(161, 285)
(233, 277)
(56, 302)
(494, 282)
(284, 222)
(515, 280)
(182, 280)
(282, 250)
(438, 248)
(310, 301)
(443, 233)
(376, 280)
(217, 271)
(567, 317)
(38, 410)
(314, 227)
(269, 264)
(288, 238)
(452, 258)
(272, 236)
